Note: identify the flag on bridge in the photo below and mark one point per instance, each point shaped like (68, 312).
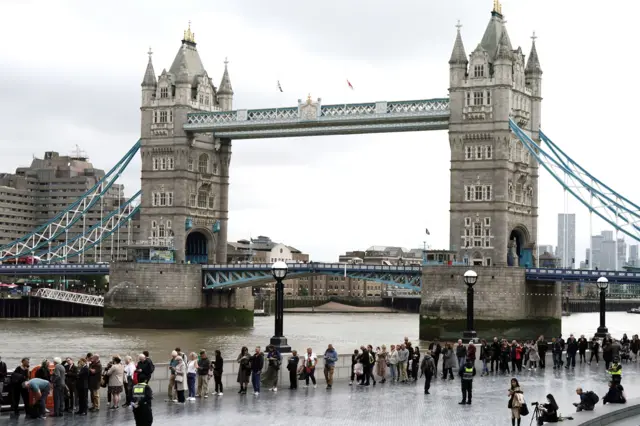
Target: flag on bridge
(350, 85)
(279, 87)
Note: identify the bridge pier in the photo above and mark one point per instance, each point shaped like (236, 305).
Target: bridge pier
(170, 296)
(505, 305)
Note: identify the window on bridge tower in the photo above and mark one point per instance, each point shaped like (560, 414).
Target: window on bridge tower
(164, 92)
(478, 98)
(488, 97)
(190, 164)
(202, 199)
(203, 163)
(156, 162)
(468, 98)
(163, 117)
(192, 200)
(478, 71)
(478, 153)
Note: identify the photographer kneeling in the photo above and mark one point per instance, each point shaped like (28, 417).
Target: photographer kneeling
(548, 411)
(588, 400)
(615, 395)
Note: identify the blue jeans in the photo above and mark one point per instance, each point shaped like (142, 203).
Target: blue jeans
(557, 359)
(484, 366)
(191, 384)
(255, 380)
(393, 369)
(43, 403)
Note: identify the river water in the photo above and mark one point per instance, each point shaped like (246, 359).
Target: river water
(45, 338)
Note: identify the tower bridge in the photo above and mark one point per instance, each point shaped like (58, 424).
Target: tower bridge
(188, 125)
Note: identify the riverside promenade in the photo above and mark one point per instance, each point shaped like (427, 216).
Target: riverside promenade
(382, 404)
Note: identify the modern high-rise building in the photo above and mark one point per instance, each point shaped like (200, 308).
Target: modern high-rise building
(36, 194)
(566, 235)
(604, 256)
(633, 255)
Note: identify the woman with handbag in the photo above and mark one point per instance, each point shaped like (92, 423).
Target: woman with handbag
(116, 380)
(180, 372)
(516, 400)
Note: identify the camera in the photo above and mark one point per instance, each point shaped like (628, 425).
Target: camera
(534, 403)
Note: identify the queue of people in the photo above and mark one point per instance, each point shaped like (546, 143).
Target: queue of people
(76, 385)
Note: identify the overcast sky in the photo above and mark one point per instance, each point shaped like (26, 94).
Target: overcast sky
(71, 73)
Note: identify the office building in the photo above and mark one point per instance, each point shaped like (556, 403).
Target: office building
(566, 235)
(32, 196)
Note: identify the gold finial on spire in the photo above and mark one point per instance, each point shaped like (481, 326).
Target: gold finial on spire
(458, 25)
(226, 61)
(150, 52)
(309, 98)
(188, 35)
(497, 7)
(534, 37)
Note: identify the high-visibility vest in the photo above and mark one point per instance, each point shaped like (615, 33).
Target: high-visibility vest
(468, 373)
(617, 371)
(138, 391)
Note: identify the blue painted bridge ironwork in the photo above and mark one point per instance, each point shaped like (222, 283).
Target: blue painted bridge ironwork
(248, 275)
(310, 118)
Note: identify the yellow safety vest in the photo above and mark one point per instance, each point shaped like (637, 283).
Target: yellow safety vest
(616, 372)
(468, 373)
(138, 391)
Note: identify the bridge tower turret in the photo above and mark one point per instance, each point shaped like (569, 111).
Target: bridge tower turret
(185, 177)
(494, 181)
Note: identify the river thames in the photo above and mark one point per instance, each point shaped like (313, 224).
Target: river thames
(45, 338)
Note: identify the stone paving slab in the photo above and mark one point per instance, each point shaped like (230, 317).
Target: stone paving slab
(380, 405)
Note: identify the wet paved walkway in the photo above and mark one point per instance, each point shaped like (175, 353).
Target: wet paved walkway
(380, 405)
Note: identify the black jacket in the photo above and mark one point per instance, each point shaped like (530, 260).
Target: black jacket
(145, 369)
(82, 382)
(3, 371)
(218, 365)
(257, 362)
(495, 350)
(204, 365)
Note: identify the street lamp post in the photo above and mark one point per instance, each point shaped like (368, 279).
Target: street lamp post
(279, 271)
(470, 279)
(603, 284)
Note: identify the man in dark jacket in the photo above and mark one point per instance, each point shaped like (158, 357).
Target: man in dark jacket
(365, 360)
(427, 369)
(495, 353)
(466, 373)
(144, 368)
(19, 376)
(572, 350)
(543, 347)
(95, 374)
(204, 365)
(583, 344)
(257, 364)
(435, 349)
(70, 380)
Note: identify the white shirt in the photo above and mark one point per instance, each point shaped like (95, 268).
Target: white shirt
(129, 369)
(191, 367)
(311, 357)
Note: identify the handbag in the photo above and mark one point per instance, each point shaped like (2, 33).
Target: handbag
(179, 378)
(524, 410)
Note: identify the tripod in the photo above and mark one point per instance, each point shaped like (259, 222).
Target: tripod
(536, 415)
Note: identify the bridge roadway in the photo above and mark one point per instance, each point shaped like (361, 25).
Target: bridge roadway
(245, 274)
(371, 405)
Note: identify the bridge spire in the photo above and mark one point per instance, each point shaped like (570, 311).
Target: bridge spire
(533, 63)
(458, 56)
(149, 79)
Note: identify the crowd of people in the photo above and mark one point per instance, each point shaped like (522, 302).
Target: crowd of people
(74, 384)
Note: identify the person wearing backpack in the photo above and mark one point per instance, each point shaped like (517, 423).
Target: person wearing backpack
(588, 400)
(427, 369)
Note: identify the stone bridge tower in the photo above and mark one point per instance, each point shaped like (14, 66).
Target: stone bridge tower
(185, 178)
(494, 180)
